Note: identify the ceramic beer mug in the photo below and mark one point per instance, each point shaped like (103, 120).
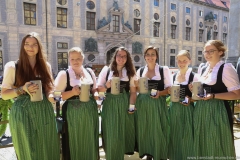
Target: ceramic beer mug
(143, 85)
(38, 96)
(197, 89)
(115, 85)
(175, 93)
(85, 92)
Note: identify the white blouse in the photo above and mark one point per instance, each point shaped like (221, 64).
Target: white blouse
(166, 72)
(9, 74)
(103, 74)
(195, 78)
(229, 76)
(61, 79)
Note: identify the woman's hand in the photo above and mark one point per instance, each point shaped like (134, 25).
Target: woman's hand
(76, 90)
(190, 86)
(169, 90)
(207, 97)
(108, 84)
(51, 98)
(157, 95)
(30, 88)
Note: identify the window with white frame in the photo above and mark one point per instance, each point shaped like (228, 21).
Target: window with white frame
(215, 35)
(115, 23)
(199, 57)
(215, 16)
(188, 33)
(61, 17)
(62, 60)
(172, 60)
(156, 3)
(224, 19)
(173, 31)
(224, 38)
(91, 20)
(137, 23)
(200, 37)
(156, 26)
(188, 10)
(29, 13)
(173, 6)
(62, 45)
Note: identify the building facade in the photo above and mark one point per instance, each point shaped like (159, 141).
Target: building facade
(99, 26)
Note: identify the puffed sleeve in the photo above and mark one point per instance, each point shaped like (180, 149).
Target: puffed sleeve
(9, 75)
(230, 77)
(167, 77)
(138, 73)
(102, 76)
(61, 81)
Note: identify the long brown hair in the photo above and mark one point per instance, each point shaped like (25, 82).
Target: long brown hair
(26, 73)
(128, 65)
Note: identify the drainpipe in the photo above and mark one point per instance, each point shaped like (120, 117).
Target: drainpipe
(46, 27)
(164, 31)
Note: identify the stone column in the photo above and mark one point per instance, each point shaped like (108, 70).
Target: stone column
(233, 36)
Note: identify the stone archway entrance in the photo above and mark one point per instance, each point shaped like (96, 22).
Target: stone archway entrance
(110, 54)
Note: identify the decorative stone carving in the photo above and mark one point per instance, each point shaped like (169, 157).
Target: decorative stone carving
(91, 45)
(102, 23)
(137, 48)
(209, 17)
(115, 5)
(209, 34)
(128, 25)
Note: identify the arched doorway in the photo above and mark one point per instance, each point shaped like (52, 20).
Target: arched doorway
(110, 54)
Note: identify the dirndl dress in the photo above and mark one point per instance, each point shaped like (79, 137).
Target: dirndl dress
(118, 131)
(213, 124)
(152, 123)
(181, 125)
(81, 128)
(33, 129)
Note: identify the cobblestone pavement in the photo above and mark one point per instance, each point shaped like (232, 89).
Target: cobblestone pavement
(9, 153)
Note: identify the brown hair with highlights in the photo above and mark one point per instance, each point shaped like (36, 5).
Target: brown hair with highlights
(26, 73)
(151, 47)
(128, 65)
(218, 44)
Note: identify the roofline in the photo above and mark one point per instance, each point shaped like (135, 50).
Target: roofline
(210, 5)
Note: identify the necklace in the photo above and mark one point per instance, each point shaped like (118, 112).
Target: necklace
(208, 73)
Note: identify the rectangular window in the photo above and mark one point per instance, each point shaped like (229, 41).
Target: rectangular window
(115, 23)
(188, 31)
(29, 13)
(137, 23)
(173, 6)
(200, 13)
(91, 20)
(199, 59)
(224, 19)
(156, 3)
(188, 10)
(137, 0)
(224, 38)
(199, 53)
(1, 61)
(200, 35)
(61, 17)
(172, 51)
(215, 16)
(172, 61)
(61, 45)
(62, 60)
(173, 31)
(156, 26)
(215, 35)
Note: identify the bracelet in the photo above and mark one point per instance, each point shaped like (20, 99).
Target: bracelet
(19, 91)
(213, 95)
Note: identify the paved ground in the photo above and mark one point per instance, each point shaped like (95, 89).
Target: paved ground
(9, 153)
